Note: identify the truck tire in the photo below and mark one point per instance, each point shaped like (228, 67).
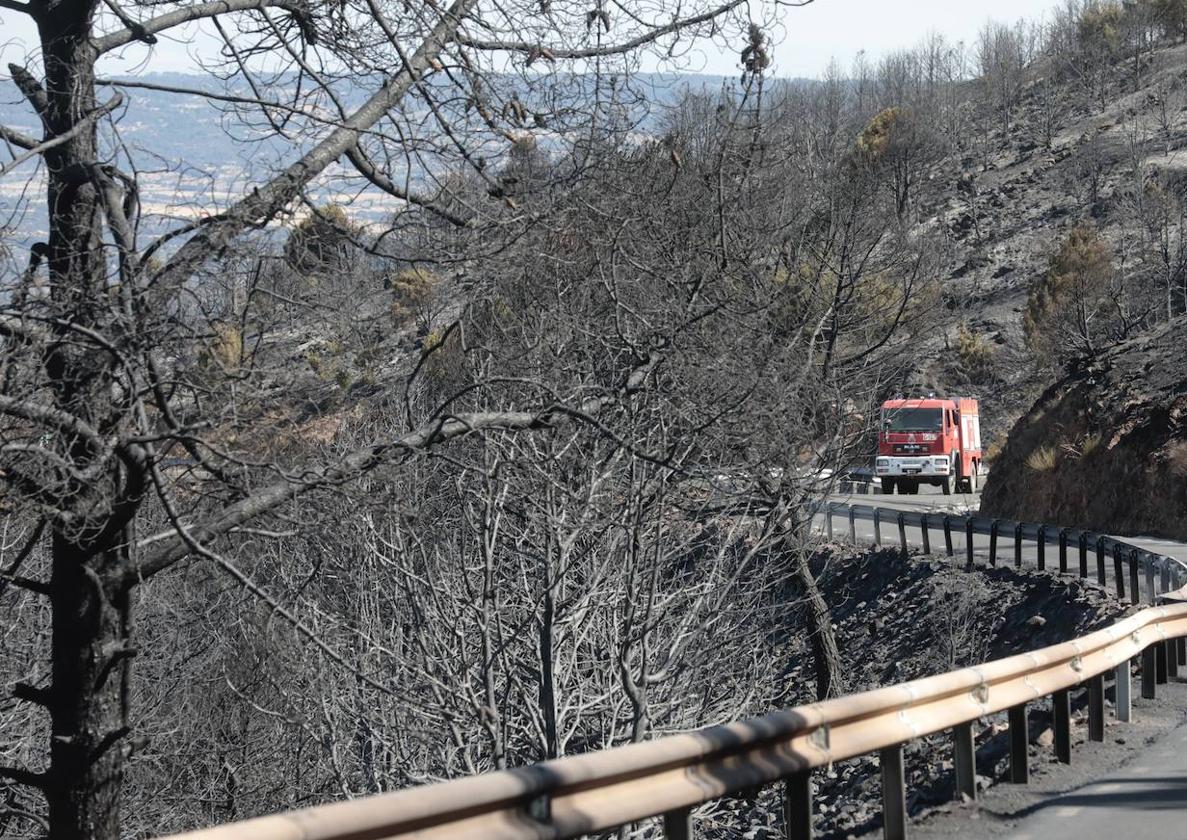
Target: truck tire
(888, 487)
(946, 485)
(973, 480)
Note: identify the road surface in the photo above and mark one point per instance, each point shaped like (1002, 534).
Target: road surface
(1143, 801)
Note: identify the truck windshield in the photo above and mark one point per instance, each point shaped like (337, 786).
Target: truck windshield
(913, 420)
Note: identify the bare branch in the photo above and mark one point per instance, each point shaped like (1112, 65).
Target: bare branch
(651, 36)
(31, 88)
(55, 418)
(106, 108)
(369, 171)
(146, 30)
(25, 777)
(14, 137)
(266, 201)
(10, 574)
(363, 460)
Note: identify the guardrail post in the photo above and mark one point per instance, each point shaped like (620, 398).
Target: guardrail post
(1083, 555)
(1063, 551)
(1135, 590)
(1160, 666)
(964, 760)
(678, 824)
(1148, 668)
(1181, 650)
(1018, 545)
(1019, 738)
(894, 794)
(923, 531)
(1124, 688)
(1062, 707)
(948, 534)
(1041, 546)
(902, 533)
(878, 527)
(852, 525)
(1102, 576)
(1119, 572)
(828, 521)
(1151, 592)
(968, 542)
(1172, 658)
(993, 542)
(1096, 708)
(797, 806)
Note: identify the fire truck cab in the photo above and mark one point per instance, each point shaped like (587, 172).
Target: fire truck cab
(929, 441)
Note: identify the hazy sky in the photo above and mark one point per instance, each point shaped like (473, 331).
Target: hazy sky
(840, 28)
(812, 34)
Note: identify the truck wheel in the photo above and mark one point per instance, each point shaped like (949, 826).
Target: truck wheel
(973, 480)
(888, 487)
(946, 485)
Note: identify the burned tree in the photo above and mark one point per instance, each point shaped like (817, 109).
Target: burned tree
(101, 327)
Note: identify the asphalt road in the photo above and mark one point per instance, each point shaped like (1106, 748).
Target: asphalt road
(1143, 801)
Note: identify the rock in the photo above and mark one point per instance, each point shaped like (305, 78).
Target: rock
(1046, 738)
(1036, 621)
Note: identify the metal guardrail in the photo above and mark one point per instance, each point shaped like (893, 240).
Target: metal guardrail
(668, 777)
(1096, 554)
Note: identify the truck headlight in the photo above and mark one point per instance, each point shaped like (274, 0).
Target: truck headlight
(882, 462)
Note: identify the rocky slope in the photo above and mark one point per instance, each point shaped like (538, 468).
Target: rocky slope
(1003, 210)
(884, 609)
(1106, 446)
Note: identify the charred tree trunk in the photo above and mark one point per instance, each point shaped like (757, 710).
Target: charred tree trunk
(547, 696)
(826, 656)
(88, 698)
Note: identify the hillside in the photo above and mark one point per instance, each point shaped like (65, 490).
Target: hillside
(1004, 209)
(1105, 445)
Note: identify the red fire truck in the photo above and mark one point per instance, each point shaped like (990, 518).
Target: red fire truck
(929, 441)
